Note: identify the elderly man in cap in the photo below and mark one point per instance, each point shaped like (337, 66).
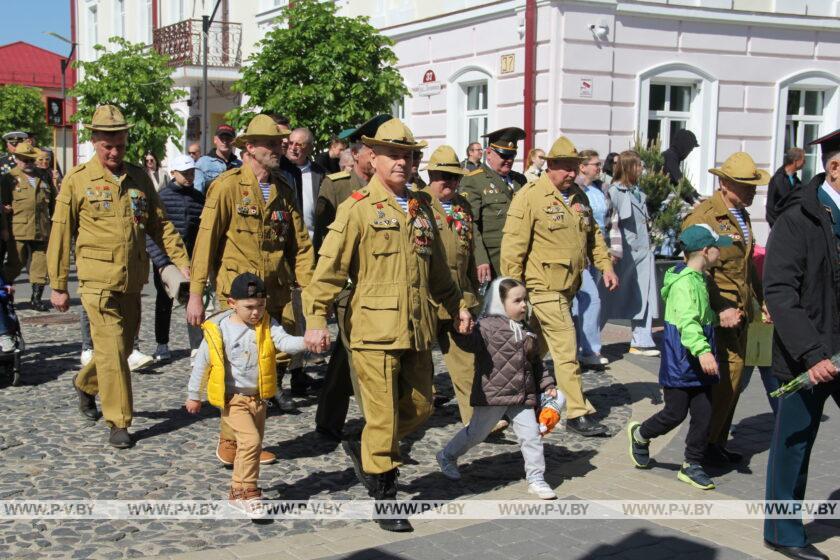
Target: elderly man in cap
(385, 240)
(734, 290)
(7, 161)
(28, 201)
(490, 188)
(802, 288)
(250, 223)
(218, 160)
(550, 237)
(340, 380)
(109, 206)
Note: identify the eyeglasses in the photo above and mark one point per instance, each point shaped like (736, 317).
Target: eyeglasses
(595, 163)
(193, 153)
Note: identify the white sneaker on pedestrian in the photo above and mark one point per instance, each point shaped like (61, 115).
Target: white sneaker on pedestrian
(86, 357)
(652, 352)
(448, 466)
(542, 490)
(7, 343)
(162, 353)
(604, 361)
(593, 360)
(138, 359)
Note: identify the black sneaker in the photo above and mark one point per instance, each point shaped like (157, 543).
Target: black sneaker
(639, 452)
(718, 455)
(353, 448)
(693, 474)
(119, 438)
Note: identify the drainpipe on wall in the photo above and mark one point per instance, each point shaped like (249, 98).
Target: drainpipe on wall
(75, 72)
(530, 71)
(154, 15)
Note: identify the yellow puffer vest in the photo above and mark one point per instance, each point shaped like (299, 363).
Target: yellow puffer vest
(214, 377)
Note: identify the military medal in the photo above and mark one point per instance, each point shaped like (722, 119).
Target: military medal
(138, 204)
(379, 212)
(423, 233)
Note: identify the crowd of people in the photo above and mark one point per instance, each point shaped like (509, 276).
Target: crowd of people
(495, 267)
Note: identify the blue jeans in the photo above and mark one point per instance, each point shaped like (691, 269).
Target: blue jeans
(770, 381)
(586, 312)
(643, 331)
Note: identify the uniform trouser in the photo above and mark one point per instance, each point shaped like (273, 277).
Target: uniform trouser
(586, 311)
(396, 387)
(245, 415)
(558, 333)
(731, 350)
(340, 379)
(797, 423)
(114, 320)
(31, 253)
(461, 366)
(678, 402)
(524, 426)
(163, 317)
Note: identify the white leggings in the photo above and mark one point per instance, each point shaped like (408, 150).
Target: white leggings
(525, 427)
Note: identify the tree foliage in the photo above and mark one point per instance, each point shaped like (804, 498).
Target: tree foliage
(22, 108)
(138, 80)
(323, 71)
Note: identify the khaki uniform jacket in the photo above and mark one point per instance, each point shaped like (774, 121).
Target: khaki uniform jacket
(239, 232)
(735, 280)
(335, 188)
(395, 280)
(110, 219)
(547, 243)
(458, 242)
(490, 197)
(31, 206)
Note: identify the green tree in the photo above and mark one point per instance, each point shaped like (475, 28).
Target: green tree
(323, 71)
(22, 108)
(138, 80)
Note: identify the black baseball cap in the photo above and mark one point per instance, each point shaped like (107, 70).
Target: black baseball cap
(246, 286)
(829, 144)
(225, 130)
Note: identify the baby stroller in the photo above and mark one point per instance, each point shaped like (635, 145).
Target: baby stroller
(11, 339)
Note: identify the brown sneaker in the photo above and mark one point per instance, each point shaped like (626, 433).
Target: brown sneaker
(226, 451)
(266, 457)
(251, 503)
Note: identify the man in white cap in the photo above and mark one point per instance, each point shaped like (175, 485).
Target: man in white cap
(183, 204)
(7, 161)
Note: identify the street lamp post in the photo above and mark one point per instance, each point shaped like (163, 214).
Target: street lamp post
(205, 27)
(65, 62)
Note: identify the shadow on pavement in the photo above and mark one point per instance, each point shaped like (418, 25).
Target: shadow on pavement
(642, 544)
(173, 419)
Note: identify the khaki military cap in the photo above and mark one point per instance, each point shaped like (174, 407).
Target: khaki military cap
(562, 149)
(25, 150)
(261, 127)
(740, 168)
(395, 134)
(108, 118)
(445, 159)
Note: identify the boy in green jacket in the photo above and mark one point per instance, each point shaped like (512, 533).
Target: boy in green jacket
(688, 367)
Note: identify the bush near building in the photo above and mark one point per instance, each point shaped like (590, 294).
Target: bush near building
(22, 108)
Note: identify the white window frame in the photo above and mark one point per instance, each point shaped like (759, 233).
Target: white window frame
(480, 113)
(457, 118)
(666, 115)
(92, 24)
(702, 120)
(807, 80)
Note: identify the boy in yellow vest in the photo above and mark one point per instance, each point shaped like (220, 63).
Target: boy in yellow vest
(236, 362)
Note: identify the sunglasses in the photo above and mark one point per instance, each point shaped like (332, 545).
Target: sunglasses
(449, 176)
(193, 153)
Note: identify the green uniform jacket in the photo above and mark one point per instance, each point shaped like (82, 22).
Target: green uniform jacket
(735, 279)
(334, 190)
(31, 206)
(110, 220)
(398, 269)
(490, 198)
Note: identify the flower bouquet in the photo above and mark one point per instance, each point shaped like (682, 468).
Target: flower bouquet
(802, 381)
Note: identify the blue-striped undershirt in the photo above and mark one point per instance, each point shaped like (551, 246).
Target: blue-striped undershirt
(403, 202)
(565, 196)
(266, 190)
(447, 206)
(742, 223)
(32, 180)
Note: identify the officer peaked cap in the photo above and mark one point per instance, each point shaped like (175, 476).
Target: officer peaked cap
(503, 141)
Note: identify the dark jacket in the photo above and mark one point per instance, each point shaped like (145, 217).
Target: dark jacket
(508, 365)
(802, 283)
(183, 206)
(777, 190)
(683, 142)
(329, 164)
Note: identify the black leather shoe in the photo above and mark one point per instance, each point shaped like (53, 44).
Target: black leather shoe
(719, 455)
(302, 385)
(37, 303)
(353, 448)
(807, 552)
(586, 426)
(285, 402)
(120, 438)
(385, 488)
(395, 525)
(87, 403)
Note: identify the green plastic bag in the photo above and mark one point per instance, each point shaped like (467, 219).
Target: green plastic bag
(759, 344)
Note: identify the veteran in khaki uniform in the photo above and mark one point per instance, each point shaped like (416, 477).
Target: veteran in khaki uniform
(490, 188)
(385, 240)
(735, 284)
(250, 223)
(550, 237)
(110, 207)
(453, 218)
(27, 227)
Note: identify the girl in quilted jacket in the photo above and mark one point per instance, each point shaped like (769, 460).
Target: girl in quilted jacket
(509, 376)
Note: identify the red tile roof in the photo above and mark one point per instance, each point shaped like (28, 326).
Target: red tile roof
(28, 65)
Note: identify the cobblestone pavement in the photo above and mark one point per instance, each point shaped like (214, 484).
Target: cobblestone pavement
(48, 451)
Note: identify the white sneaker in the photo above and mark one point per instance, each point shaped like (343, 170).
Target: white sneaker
(86, 357)
(7, 343)
(448, 466)
(542, 490)
(162, 353)
(648, 352)
(138, 359)
(604, 361)
(593, 360)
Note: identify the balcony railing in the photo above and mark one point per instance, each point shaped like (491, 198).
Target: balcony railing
(182, 41)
